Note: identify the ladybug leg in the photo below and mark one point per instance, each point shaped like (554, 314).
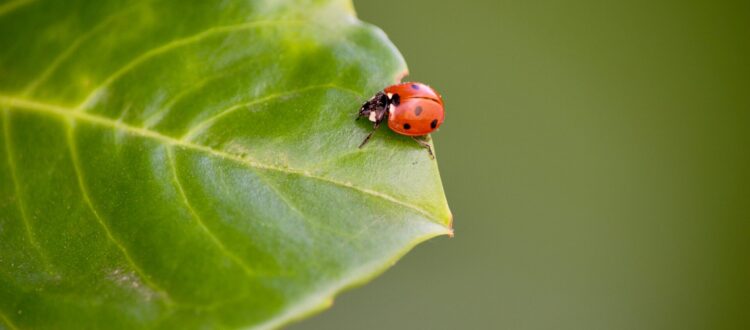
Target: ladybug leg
(376, 111)
(367, 138)
(425, 145)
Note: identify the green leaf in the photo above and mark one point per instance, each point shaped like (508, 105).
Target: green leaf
(174, 165)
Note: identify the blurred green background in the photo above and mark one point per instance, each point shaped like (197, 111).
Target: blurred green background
(596, 156)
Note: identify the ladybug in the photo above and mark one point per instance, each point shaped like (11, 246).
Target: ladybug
(412, 109)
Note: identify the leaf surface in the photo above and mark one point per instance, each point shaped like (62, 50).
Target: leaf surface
(174, 165)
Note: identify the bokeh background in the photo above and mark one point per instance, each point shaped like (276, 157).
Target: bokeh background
(596, 156)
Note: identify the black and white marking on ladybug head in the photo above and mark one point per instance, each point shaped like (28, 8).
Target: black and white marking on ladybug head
(394, 99)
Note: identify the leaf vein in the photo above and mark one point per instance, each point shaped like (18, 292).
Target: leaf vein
(159, 114)
(202, 125)
(23, 104)
(173, 168)
(7, 321)
(294, 209)
(9, 7)
(65, 54)
(16, 185)
(176, 43)
(72, 147)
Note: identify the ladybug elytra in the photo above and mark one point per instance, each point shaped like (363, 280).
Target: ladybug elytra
(412, 109)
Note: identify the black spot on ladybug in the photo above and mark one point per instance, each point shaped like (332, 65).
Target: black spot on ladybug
(418, 110)
(433, 124)
(395, 99)
(407, 126)
(415, 87)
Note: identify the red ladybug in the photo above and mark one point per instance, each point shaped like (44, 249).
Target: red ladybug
(412, 109)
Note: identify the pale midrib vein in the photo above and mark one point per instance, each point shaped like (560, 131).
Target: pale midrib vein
(159, 114)
(294, 209)
(173, 167)
(16, 185)
(95, 119)
(72, 147)
(202, 125)
(176, 44)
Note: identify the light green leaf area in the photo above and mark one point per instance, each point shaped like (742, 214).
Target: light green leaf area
(172, 164)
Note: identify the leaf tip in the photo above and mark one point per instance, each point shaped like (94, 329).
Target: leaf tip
(349, 8)
(449, 227)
